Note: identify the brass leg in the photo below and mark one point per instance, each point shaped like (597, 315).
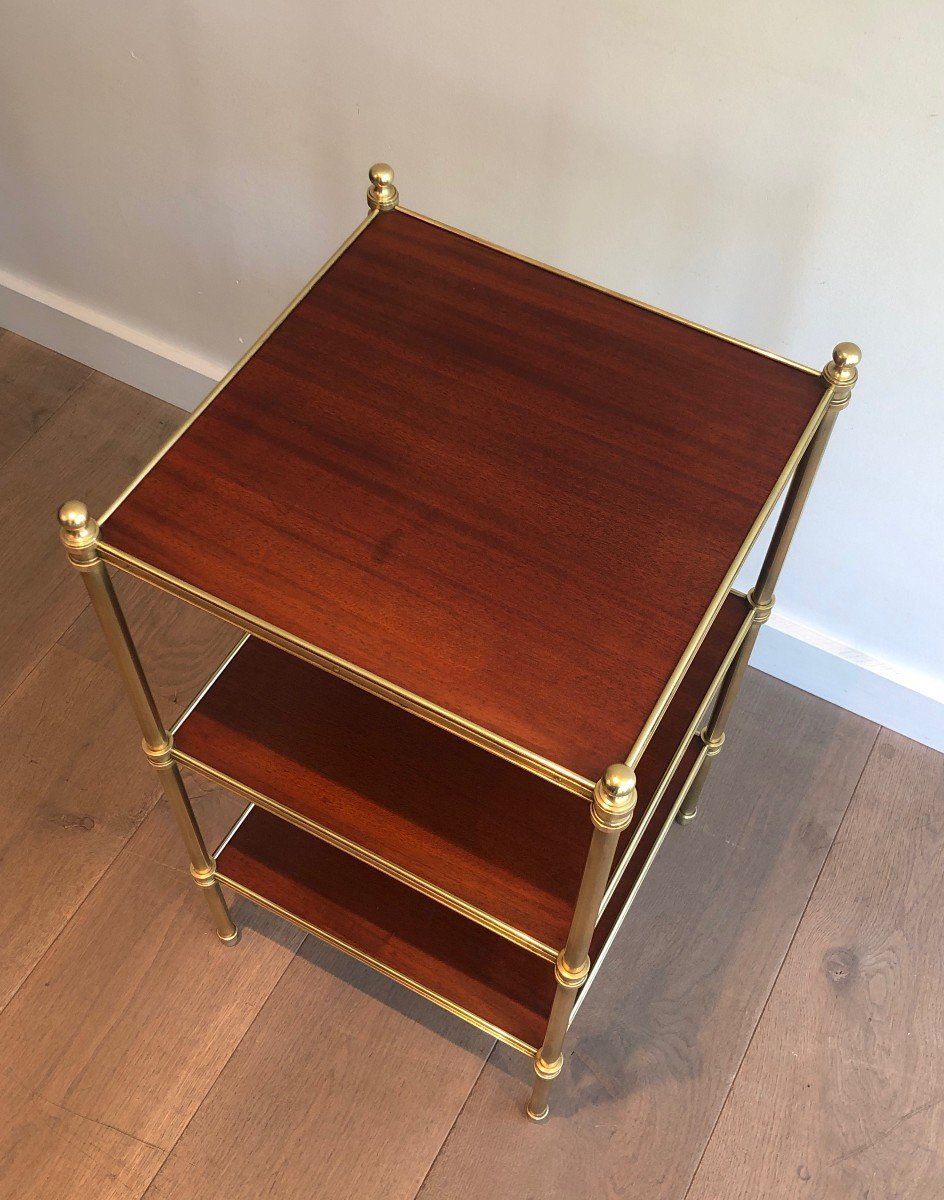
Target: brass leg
(841, 375)
(713, 735)
(79, 534)
(688, 809)
(804, 475)
(614, 799)
(547, 1063)
(202, 866)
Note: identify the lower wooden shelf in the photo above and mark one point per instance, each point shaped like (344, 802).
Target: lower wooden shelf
(462, 966)
(504, 848)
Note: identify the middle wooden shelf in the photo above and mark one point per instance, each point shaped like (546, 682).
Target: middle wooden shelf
(479, 835)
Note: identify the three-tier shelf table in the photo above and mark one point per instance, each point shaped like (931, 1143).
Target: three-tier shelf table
(480, 523)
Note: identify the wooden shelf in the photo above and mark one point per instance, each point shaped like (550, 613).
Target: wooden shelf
(459, 965)
(503, 847)
(453, 962)
(491, 493)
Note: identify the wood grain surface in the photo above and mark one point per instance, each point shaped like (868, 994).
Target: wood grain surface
(34, 384)
(123, 1027)
(96, 440)
(840, 1093)
(74, 786)
(399, 927)
(487, 832)
(503, 491)
(344, 1087)
(406, 931)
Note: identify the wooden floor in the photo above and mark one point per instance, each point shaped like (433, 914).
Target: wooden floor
(770, 1022)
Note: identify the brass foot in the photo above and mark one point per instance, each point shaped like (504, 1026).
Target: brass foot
(684, 818)
(538, 1116)
(230, 939)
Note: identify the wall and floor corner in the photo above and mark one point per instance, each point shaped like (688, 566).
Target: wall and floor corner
(171, 176)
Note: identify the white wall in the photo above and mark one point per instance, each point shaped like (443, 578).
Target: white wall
(170, 173)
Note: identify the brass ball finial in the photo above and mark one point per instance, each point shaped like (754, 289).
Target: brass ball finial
(76, 528)
(841, 371)
(614, 797)
(847, 354)
(618, 780)
(382, 194)
(381, 174)
(73, 516)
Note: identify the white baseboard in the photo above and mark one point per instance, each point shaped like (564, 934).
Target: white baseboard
(903, 700)
(110, 346)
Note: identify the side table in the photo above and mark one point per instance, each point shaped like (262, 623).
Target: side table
(480, 523)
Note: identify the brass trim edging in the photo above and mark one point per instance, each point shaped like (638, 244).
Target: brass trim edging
(597, 287)
(680, 752)
(238, 366)
(429, 711)
(340, 842)
(391, 972)
(595, 966)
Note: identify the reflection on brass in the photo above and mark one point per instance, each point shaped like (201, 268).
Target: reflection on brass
(713, 744)
(571, 978)
(545, 1070)
(841, 371)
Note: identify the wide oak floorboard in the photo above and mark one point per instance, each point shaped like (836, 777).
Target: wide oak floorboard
(112, 1043)
(74, 786)
(345, 1087)
(34, 384)
(840, 1093)
(660, 1036)
(88, 450)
